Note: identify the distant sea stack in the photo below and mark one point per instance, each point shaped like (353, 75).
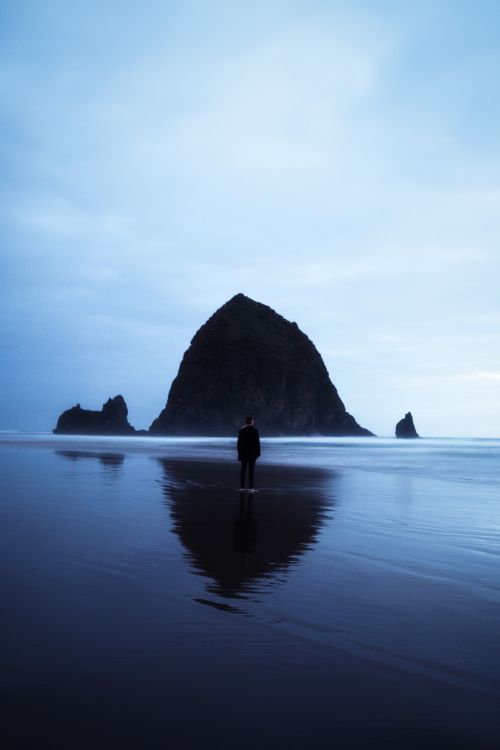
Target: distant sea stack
(405, 427)
(111, 420)
(247, 359)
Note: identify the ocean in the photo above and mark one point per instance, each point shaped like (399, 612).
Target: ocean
(353, 602)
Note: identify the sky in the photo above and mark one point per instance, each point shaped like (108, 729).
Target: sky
(337, 161)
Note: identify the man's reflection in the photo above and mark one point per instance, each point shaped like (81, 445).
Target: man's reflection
(245, 543)
(245, 529)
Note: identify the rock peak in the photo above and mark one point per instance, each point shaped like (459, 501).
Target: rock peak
(240, 301)
(239, 298)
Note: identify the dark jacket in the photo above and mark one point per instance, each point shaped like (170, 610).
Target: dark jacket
(248, 443)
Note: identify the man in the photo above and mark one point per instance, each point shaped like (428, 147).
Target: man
(248, 452)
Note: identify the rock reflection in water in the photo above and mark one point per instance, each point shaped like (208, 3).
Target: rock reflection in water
(245, 543)
(107, 460)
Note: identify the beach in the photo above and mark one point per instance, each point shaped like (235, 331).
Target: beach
(352, 602)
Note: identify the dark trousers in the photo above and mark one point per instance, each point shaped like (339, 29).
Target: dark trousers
(250, 462)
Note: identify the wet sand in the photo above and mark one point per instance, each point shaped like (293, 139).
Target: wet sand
(149, 604)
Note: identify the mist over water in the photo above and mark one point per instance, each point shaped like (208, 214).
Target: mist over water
(356, 597)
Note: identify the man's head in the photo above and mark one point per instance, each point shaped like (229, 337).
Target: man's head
(249, 420)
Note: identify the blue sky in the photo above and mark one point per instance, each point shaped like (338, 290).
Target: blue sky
(338, 161)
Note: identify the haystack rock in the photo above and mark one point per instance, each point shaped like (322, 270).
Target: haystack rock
(405, 427)
(247, 359)
(111, 420)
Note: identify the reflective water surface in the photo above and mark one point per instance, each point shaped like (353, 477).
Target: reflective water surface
(353, 602)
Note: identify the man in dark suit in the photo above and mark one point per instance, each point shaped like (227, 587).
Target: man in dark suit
(248, 452)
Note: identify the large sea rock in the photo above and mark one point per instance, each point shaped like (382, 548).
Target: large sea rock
(247, 359)
(405, 428)
(111, 420)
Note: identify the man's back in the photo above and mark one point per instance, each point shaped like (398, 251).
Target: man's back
(248, 442)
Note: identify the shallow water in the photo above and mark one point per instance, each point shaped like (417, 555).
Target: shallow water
(354, 601)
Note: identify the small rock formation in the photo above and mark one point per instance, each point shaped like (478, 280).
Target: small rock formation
(111, 420)
(247, 359)
(405, 427)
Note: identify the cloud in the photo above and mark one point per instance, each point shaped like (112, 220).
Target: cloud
(489, 377)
